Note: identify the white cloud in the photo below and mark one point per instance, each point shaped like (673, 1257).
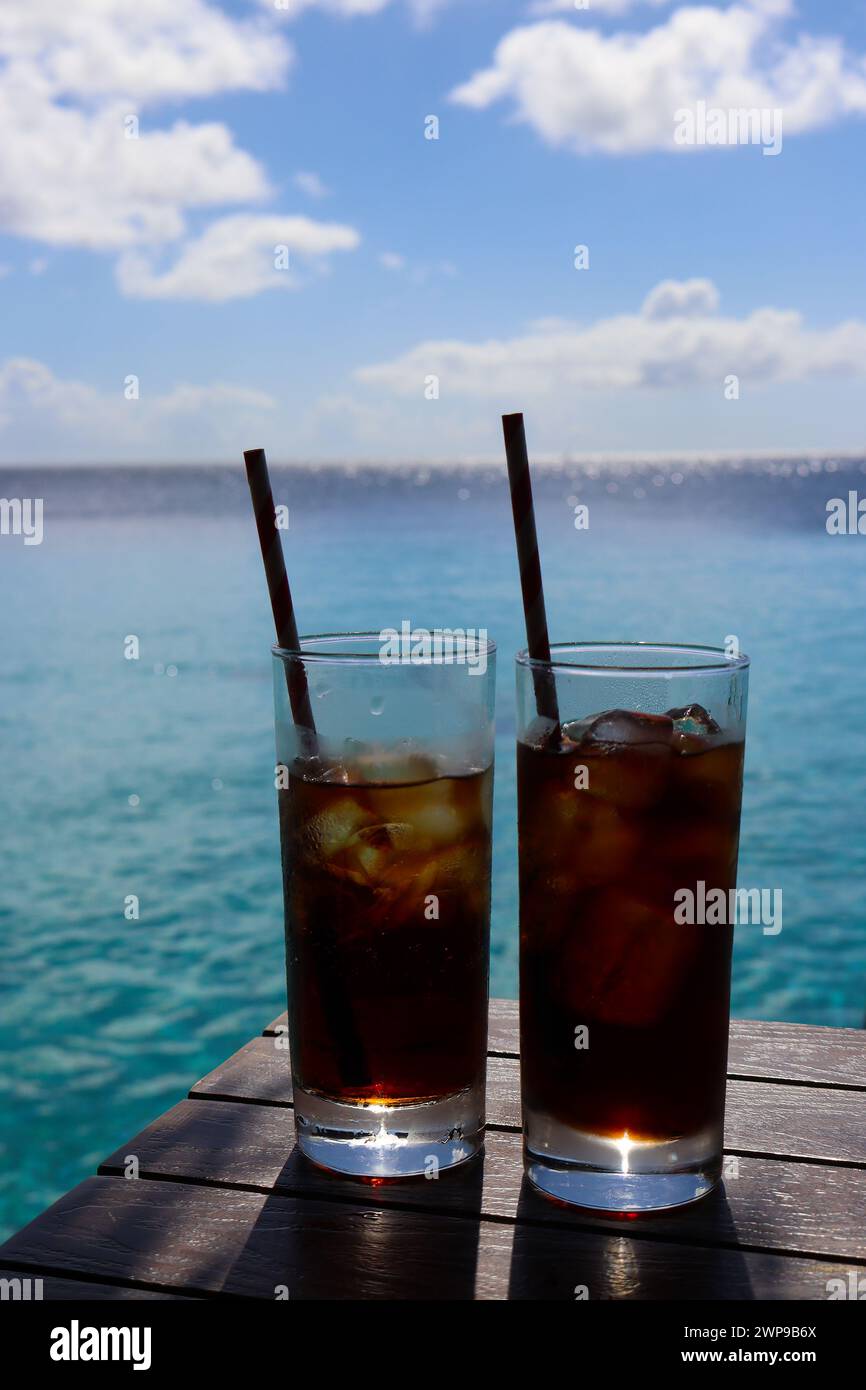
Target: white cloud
(422, 10)
(82, 162)
(425, 10)
(62, 418)
(367, 423)
(311, 184)
(686, 344)
(97, 49)
(235, 257)
(350, 9)
(71, 178)
(585, 91)
(419, 274)
(71, 76)
(614, 7)
(681, 299)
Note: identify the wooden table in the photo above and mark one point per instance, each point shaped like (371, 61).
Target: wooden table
(224, 1207)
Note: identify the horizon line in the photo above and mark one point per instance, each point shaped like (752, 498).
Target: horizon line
(549, 461)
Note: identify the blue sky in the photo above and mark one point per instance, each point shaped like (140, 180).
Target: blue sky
(412, 259)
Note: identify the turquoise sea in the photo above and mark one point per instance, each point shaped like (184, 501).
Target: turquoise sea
(105, 1022)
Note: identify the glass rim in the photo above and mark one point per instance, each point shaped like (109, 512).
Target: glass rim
(717, 659)
(361, 658)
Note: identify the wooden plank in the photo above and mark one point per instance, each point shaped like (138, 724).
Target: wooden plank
(259, 1071)
(762, 1117)
(768, 1204)
(796, 1052)
(503, 1028)
(173, 1235)
(793, 1121)
(64, 1290)
(799, 1052)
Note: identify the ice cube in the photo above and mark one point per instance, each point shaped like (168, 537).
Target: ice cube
(378, 765)
(326, 835)
(604, 847)
(456, 876)
(333, 773)
(693, 719)
(374, 849)
(552, 824)
(540, 733)
(430, 808)
(627, 727)
(700, 851)
(461, 869)
(624, 961)
(626, 755)
(576, 730)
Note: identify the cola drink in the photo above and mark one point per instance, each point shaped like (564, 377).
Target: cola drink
(386, 869)
(624, 1008)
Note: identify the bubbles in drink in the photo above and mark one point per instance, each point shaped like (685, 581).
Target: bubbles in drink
(325, 835)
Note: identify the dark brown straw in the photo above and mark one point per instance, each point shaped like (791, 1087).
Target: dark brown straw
(278, 588)
(537, 640)
(332, 983)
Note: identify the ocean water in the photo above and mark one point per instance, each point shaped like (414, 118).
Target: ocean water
(106, 1022)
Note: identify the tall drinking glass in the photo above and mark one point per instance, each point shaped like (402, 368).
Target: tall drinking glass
(385, 820)
(629, 817)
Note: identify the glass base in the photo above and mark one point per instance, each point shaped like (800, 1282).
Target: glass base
(620, 1175)
(377, 1140)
